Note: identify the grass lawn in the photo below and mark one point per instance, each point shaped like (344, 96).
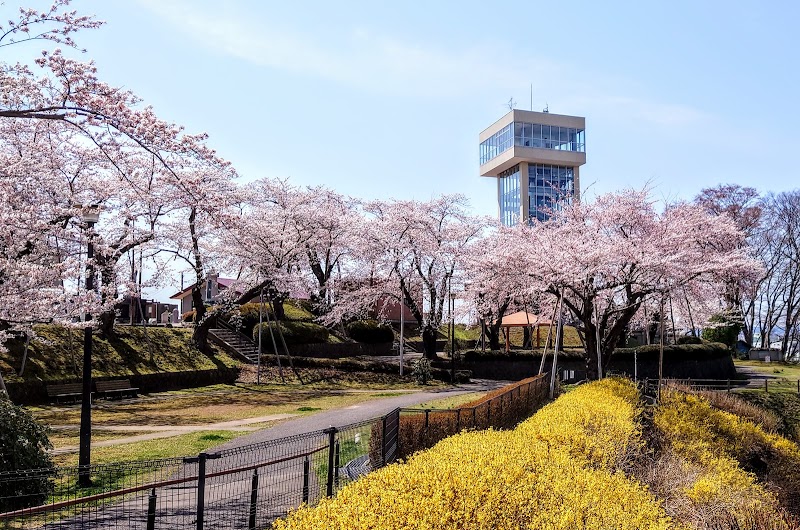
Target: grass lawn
(450, 402)
(782, 377)
(189, 444)
(775, 369)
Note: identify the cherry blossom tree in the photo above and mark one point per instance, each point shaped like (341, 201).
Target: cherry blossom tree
(189, 239)
(410, 250)
(744, 207)
(608, 257)
(495, 278)
(68, 140)
(332, 222)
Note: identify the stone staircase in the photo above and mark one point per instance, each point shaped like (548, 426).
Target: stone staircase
(235, 343)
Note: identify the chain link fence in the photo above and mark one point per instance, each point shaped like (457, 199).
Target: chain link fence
(245, 487)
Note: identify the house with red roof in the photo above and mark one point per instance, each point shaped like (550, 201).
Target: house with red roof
(211, 289)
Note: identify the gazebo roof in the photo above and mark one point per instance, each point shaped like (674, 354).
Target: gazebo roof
(523, 319)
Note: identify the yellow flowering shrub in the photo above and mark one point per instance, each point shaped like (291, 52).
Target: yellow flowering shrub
(725, 450)
(556, 470)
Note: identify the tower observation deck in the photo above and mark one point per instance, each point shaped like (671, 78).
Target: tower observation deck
(536, 159)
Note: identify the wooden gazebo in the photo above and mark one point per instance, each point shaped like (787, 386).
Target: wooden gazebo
(523, 319)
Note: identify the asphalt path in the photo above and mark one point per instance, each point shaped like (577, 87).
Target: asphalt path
(369, 409)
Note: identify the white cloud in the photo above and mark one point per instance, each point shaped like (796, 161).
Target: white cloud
(388, 65)
(359, 58)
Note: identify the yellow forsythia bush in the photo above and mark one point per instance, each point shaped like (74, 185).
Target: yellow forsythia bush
(717, 443)
(554, 471)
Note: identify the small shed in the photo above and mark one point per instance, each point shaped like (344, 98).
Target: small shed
(523, 319)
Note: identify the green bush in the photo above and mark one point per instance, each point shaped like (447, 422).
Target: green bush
(23, 446)
(249, 315)
(690, 339)
(722, 328)
(294, 333)
(370, 332)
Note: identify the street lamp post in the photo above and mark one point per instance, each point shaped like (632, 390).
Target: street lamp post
(84, 455)
(260, 331)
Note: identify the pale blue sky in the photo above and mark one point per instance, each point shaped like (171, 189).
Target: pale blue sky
(385, 100)
(379, 100)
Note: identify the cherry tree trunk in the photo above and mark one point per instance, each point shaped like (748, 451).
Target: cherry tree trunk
(200, 336)
(493, 332)
(201, 324)
(429, 342)
(591, 357)
(106, 323)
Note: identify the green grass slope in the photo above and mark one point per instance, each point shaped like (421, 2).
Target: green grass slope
(57, 352)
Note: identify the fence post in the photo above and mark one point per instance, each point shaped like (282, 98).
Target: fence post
(489, 413)
(475, 419)
(331, 432)
(336, 465)
(151, 510)
(798, 386)
(201, 488)
(306, 471)
(253, 500)
(766, 386)
(728, 386)
(427, 412)
(201, 483)
(458, 419)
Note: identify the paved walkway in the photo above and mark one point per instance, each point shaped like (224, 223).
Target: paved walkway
(356, 413)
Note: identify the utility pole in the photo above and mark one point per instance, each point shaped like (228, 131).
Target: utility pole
(402, 330)
(660, 351)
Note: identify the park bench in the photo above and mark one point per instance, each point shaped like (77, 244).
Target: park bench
(116, 388)
(72, 391)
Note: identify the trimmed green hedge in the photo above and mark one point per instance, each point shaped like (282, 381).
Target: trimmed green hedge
(515, 355)
(690, 339)
(295, 333)
(706, 350)
(370, 332)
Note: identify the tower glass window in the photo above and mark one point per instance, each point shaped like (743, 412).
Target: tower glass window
(548, 187)
(510, 200)
(524, 134)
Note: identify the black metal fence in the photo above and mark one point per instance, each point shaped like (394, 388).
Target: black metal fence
(766, 384)
(244, 487)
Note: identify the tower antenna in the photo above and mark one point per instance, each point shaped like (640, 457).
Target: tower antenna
(511, 103)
